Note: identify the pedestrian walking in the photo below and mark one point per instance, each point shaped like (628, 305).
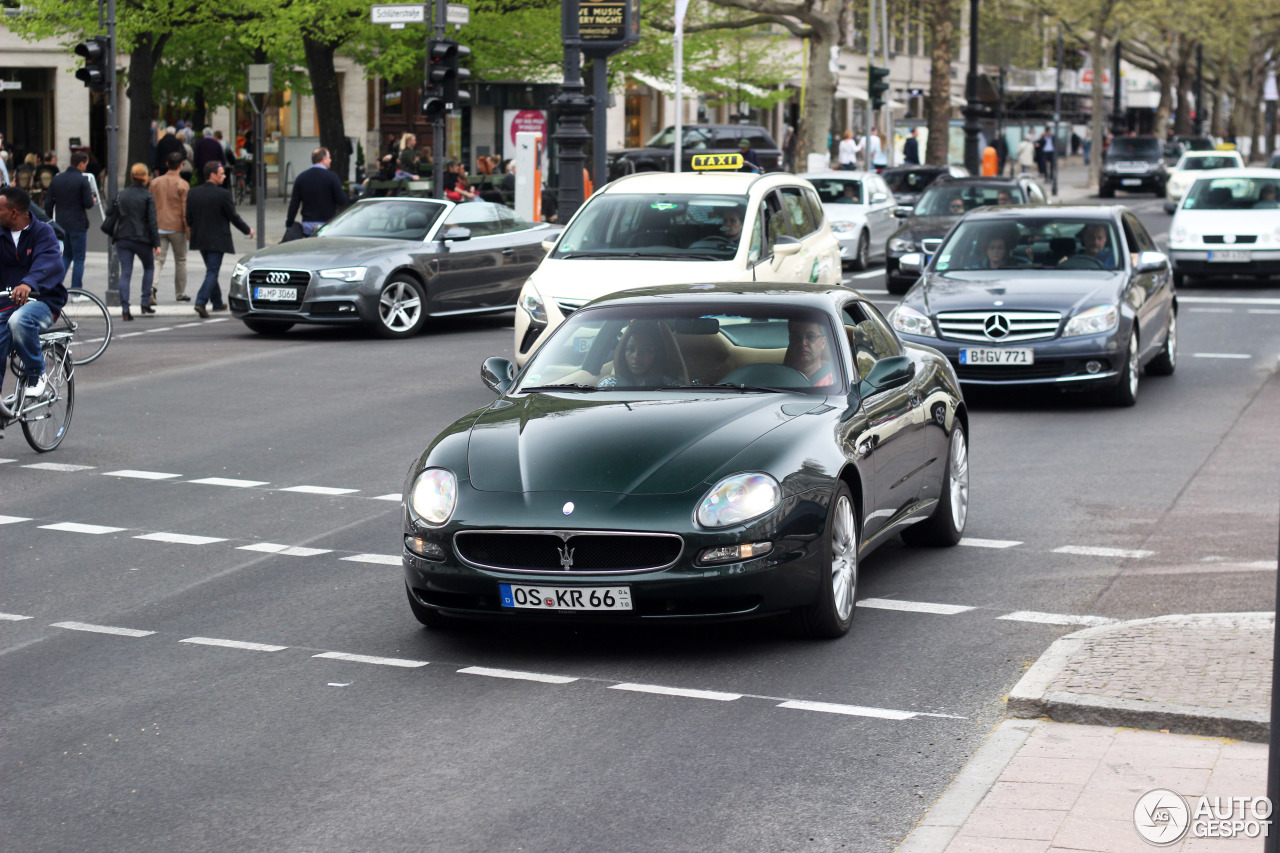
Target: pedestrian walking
(137, 236)
(67, 201)
(1087, 145)
(166, 146)
(208, 150)
(1050, 155)
(789, 150)
(170, 192)
(878, 158)
(210, 215)
(911, 149)
(408, 156)
(317, 191)
(1039, 144)
(847, 152)
(1026, 154)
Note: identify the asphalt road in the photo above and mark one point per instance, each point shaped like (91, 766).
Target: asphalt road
(231, 664)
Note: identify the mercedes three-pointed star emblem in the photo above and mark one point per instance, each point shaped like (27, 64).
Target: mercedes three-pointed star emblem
(996, 326)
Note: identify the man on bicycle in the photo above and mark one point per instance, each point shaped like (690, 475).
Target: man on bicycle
(31, 269)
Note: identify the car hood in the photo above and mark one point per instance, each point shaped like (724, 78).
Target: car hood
(845, 212)
(322, 252)
(1014, 290)
(924, 227)
(570, 442)
(583, 279)
(1200, 222)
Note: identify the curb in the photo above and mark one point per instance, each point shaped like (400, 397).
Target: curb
(1031, 698)
(962, 797)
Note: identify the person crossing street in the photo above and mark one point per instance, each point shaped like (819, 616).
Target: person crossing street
(210, 215)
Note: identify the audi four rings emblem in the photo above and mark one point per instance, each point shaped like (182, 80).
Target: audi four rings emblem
(277, 278)
(996, 326)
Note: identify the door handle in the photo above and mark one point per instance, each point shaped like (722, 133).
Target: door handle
(508, 251)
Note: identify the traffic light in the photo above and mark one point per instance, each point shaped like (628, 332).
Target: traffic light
(455, 76)
(433, 102)
(95, 52)
(877, 85)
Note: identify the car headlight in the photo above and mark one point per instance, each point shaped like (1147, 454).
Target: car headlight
(1182, 235)
(239, 270)
(842, 227)
(898, 244)
(1093, 321)
(909, 321)
(434, 495)
(739, 498)
(531, 302)
(345, 273)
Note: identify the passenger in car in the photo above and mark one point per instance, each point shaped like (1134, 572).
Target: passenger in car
(645, 358)
(1266, 197)
(1093, 244)
(810, 352)
(998, 252)
(955, 206)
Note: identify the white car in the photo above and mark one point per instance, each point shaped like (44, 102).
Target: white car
(654, 228)
(1228, 225)
(1193, 165)
(859, 206)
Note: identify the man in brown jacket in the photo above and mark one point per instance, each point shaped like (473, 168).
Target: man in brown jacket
(170, 191)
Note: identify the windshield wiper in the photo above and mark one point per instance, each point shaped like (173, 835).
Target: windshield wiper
(566, 387)
(598, 255)
(733, 386)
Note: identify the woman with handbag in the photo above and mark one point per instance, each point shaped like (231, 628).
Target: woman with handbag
(131, 223)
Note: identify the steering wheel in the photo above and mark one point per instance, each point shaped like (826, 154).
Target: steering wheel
(1076, 262)
(766, 374)
(714, 241)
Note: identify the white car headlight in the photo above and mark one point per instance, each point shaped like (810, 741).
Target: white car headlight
(897, 244)
(842, 227)
(531, 302)
(739, 498)
(434, 495)
(909, 321)
(238, 270)
(345, 273)
(1093, 321)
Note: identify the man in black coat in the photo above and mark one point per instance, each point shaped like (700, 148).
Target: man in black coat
(68, 198)
(168, 144)
(318, 192)
(210, 215)
(208, 150)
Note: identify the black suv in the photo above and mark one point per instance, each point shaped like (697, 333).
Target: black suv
(656, 156)
(1135, 164)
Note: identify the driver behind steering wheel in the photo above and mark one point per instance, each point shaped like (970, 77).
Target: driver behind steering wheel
(731, 225)
(1093, 244)
(809, 352)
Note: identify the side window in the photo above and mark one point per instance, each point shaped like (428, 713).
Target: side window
(726, 137)
(869, 336)
(481, 219)
(802, 222)
(1035, 194)
(1137, 235)
(775, 220)
(755, 246)
(815, 207)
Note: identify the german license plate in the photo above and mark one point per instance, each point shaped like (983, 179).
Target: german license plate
(275, 294)
(1131, 182)
(1236, 257)
(521, 597)
(997, 356)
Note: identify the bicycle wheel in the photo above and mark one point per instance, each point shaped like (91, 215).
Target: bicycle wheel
(89, 324)
(45, 422)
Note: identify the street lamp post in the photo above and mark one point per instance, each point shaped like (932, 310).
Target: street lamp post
(973, 109)
(571, 134)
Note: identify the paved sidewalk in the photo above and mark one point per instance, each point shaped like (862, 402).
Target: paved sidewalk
(1176, 702)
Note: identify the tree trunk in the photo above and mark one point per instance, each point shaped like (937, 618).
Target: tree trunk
(324, 85)
(1100, 57)
(147, 48)
(1165, 74)
(201, 111)
(819, 97)
(938, 104)
(1186, 92)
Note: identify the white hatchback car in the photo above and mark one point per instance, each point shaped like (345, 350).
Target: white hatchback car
(1193, 165)
(859, 206)
(1228, 225)
(655, 228)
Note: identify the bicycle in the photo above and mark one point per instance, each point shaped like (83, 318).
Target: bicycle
(45, 419)
(86, 320)
(241, 188)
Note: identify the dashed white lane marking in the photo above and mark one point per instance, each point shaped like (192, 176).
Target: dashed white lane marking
(12, 519)
(233, 644)
(58, 466)
(396, 497)
(13, 617)
(319, 490)
(380, 559)
(1226, 300)
(989, 543)
(160, 329)
(1240, 355)
(849, 710)
(284, 550)
(129, 335)
(140, 475)
(180, 538)
(2, 461)
(868, 274)
(1264, 310)
(102, 629)
(1090, 551)
(189, 325)
(515, 674)
(1055, 618)
(75, 527)
(1212, 310)
(235, 484)
(678, 691)
(914, 606)
(408, 664)
(216, 320)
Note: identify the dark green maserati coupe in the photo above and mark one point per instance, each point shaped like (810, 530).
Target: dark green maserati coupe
(690, 452)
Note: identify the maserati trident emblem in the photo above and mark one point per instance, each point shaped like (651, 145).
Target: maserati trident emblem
(996, 326)
(566, 557)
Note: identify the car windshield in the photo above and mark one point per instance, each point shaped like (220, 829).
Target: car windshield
(692, 138)
(387, 219)
(1201, 162)
(838, 190)
(1134, 148)
(662, 226)
(1232, 194)
(1044, 243)
(910, 180)
(715, 347)
(956, 200)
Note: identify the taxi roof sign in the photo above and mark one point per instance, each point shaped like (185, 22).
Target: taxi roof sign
(707, 162)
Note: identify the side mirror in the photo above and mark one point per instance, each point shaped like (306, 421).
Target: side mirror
(902, 212)
(889, 373)
(497, 374)
(786, 246)
(911, 262)
(548, 245)
(879, 197)
(456, 234)
(1152, 262)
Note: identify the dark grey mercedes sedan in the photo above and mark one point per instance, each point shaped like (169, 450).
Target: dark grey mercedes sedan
(388, 264)
(1069, 297)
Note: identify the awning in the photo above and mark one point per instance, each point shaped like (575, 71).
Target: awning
(856, 93)
(661, 85)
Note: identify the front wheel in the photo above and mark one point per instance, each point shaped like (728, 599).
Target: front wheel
(401, 308)
(945, 527)
(45, 421)
(859, 261)
(1167, 360)
(832, 614)
(1125, 393)
(87, 318)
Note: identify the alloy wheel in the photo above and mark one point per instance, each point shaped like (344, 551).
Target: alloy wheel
(958, 479)
(844, 558)
(399, 306)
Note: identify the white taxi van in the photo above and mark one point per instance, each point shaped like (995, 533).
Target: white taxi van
(654, 228)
